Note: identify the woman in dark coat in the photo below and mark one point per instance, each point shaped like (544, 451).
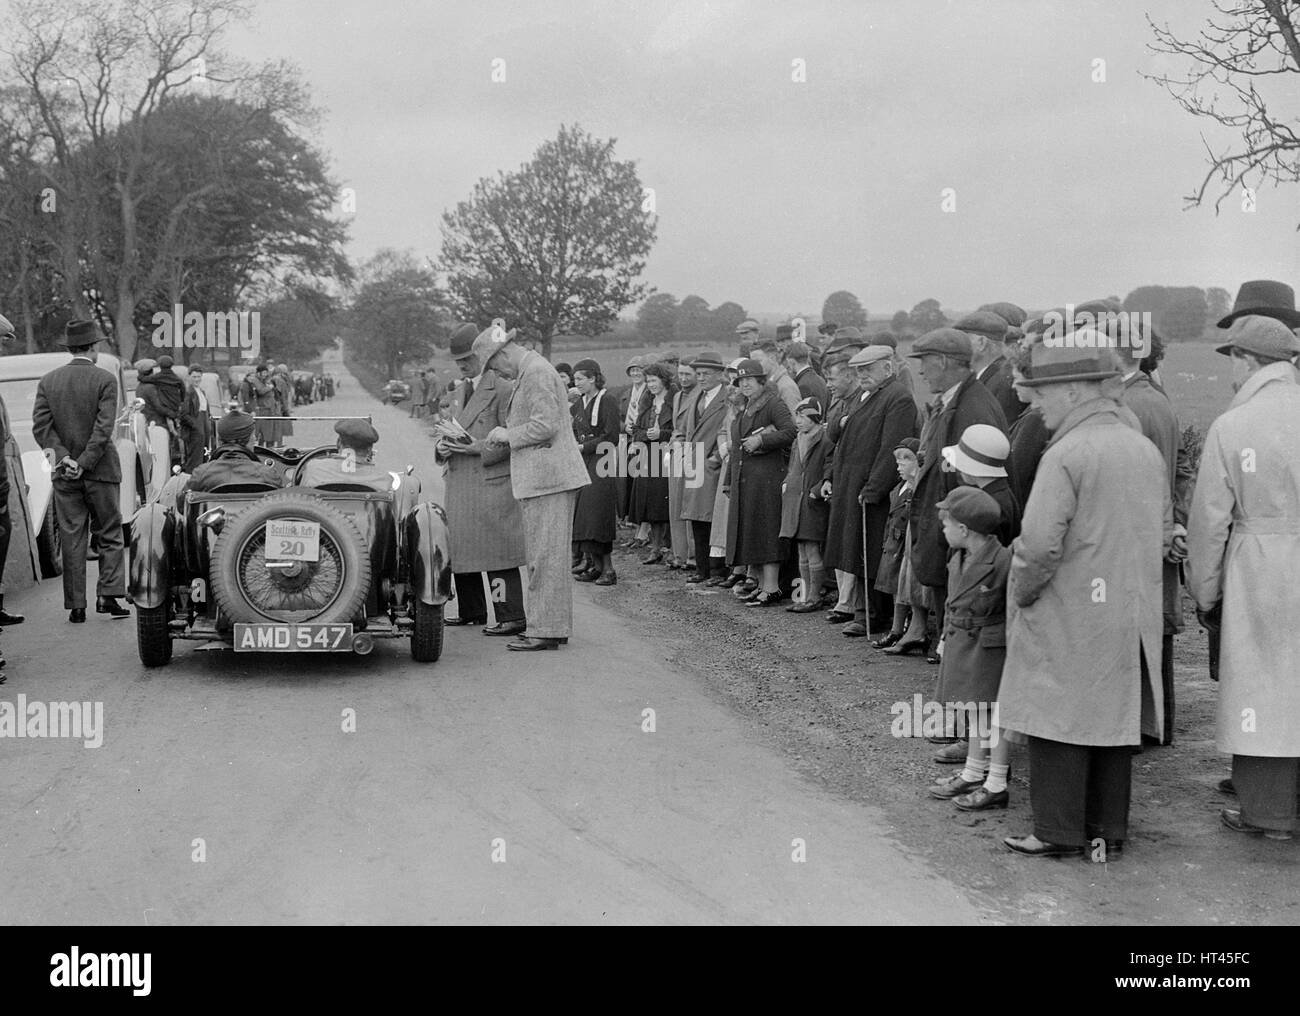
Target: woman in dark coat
(650, 434)
(596, 426)
(761, 436)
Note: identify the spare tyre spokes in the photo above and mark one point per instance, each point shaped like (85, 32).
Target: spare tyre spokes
(290, 591)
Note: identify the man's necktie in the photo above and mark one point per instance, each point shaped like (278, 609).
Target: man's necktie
(469, 391)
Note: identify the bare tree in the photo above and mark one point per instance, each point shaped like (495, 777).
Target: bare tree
(1246, 57)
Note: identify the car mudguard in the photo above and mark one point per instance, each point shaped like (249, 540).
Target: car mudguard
(153, 529)
(428, 553)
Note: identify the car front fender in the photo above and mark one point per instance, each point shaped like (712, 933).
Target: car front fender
(153, 528)
(428, 554)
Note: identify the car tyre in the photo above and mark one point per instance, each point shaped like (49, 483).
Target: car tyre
(49, 545)
(426, 637)
(153, 640)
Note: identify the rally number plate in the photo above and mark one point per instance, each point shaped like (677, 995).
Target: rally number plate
(292, 540)
(267, 637)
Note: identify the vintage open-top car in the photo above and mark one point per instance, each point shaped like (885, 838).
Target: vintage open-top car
(293, 568)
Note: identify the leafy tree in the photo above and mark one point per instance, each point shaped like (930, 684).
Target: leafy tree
(398, 314)
(694, 322)
(726, 316)
(557, 245)
(1244, 73)
(1184, 316)
(900, 322)
(297, 325)
(1219, 302)
(656, 318)
(844, 309)
(926, 316)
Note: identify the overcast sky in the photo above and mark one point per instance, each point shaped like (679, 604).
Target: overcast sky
(774, 193)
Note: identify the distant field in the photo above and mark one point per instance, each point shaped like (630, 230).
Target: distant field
(1195, 376)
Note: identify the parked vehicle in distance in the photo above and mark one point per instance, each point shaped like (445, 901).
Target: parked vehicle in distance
(19, 376)
(396, 391)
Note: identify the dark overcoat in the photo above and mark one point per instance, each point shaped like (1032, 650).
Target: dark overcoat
(754, 517)
(649, 500)
(862, 469)
(1000, 382)
(972, 404)
(803, 511)
(975, 625)
(1000, 490)
(596, 429)
(1029, 437)
(891, 551)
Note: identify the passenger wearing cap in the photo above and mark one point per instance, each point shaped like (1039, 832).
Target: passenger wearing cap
(1086, 585)
(761, 436)
(988, 332)
(980, 458)
(484, 525)
(803, 510)
(1242, 562)
(957, 401)
(233, 460)
(1159, 423)
(975, 644)
(859, 474)
(354, 461)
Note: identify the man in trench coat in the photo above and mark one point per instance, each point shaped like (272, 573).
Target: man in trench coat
(1243, 540)
(704, 413)
(1084, 607)
(483, 520)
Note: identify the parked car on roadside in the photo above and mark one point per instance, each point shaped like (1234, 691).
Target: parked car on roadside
(396, 391)
(19, 376)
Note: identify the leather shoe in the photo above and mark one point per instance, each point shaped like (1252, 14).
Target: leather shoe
(1032, 846)
(954, 754)
(7, 618)
(590, 575)
(608, 578)
(1231, 817)
(803, 608)
(731, 580)
(109, 605)
(906, 648)
(763, 599)
(856, 630)
(716, 580)
(77, 615)
(980, 799)
(524, 644)
(695, 580)
(1227, 786)
(457, 621)
(889, 640)
(838, 617)
(954, 787)
(506, 628)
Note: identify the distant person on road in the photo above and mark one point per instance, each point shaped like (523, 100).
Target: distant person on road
(257, 398)
(73, 419)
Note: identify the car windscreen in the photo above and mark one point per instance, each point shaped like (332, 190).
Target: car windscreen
(20, 397)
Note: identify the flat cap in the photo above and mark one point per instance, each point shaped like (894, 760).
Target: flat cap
(1008, 312)
(973, 508)
(235, 427)
(356, 433)
(748, 325)
(1263, 336)
(983, 322)
(982, 450)
(147, 363)
(165, 362)
(944, 341)
(871, 354)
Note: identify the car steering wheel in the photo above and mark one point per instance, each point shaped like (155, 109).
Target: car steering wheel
(315, 453)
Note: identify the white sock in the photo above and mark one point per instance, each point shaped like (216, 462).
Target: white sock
(975, 770)
(997, 780)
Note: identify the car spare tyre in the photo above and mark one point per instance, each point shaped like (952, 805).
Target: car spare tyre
(248, 587)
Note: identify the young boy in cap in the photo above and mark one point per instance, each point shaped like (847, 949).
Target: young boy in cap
(975, 637)
(803, 511)
(355, 462)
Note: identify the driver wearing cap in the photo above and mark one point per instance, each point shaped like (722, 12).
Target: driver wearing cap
(355, 461)
(233, 460)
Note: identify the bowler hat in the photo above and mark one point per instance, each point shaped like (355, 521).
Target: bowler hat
(1087, 358)
(981, 450)
(462, 341)
(943, 341)
(749, 368)
(973, 508)
(1263, 336)
(708, 359)
(871, 354)
(1008, 312)
(1264, 298)
(984, 322)
(356, 433)
(79, 334)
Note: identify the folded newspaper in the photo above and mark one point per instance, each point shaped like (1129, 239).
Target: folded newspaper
(450, 430)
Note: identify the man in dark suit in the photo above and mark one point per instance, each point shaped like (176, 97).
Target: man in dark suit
(73, 419)
(988, 332)
(811, 385)
(959, 401)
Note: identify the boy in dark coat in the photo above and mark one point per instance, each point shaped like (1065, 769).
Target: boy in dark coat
(803, 511)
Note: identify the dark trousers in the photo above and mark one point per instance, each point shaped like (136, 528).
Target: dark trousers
(81, 505)
(704, 565)
(1267, 788)
(6, 523)
(938, 603)
(507, 595)
(1079, 792)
